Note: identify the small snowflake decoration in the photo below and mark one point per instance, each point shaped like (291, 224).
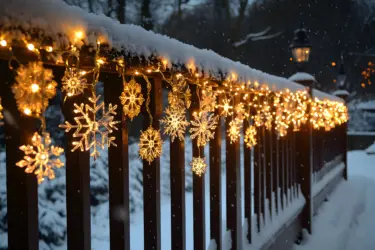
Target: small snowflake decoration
(175, 123)
(73, 82)
(198, 166)
(240, 111)
(34, 87)
(88, 127)
(180, 95)
(132, 98)
(40, 157)
(150, 145)
(202, 127)
(234, 130)
(250, 137)
(208, 100)
(226, 108)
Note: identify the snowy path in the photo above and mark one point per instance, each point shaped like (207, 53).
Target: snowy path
(347, 220)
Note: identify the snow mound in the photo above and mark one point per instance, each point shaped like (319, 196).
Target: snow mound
(301, 76)
(371, 150)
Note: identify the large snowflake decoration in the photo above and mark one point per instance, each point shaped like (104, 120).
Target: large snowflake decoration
(88, 126)
(198, 166)
(175, 123)
(250, 136)
(180, 96)
(41, 157)
(73, 82)
(34, 87)
(132, 98)
(202, 127)
(150, 145)
(234, 130)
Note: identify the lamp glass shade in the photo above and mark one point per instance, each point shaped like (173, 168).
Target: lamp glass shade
(301, 54)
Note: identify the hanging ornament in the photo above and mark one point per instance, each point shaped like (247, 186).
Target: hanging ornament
(226, 108)
(1, 113)
(240, 112)
(175, 123)
(208, 101)
(74, 81)
(234, 130)
(132, 98)
(250, 136)
(150, 145)
(202, 127)
(88, 126)
(41, 157)
(34, 87)
(180, 95)
(198, 166)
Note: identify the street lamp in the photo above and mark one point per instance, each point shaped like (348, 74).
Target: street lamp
(301, 47)
(341, 77)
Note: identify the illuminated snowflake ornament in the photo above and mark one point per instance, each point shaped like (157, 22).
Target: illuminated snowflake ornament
(250, 137)
(226, 108)
(240, 111)
(73, 82)
(202, 127)
(132, 98)
(41, 157)
(234, 130)
(198, 166)
(150, 144)
(33, 88)
(88, 126)
(175, 123)
(208, 100)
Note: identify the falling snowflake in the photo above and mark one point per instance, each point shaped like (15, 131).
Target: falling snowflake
(175, 123)
(88, 127)
(150, 145)
(234, 130)
(202, 127)
(132, 98)
(198, 166)
(41, 157)
(250, 136)
(34, 87)
(73, 82)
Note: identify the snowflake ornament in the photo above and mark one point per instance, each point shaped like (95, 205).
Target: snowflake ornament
(132, 98)
(208, 100)
(73, 82)
(41, 157)
(150, 144)
(226, 108)
(240, 111)
(33, 88)
(234, 131)
(180, 95)
(88, 126)
(198, 166)
(250, 136)
(202, 127)
(175, 123)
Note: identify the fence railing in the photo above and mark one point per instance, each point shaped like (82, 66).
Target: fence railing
(282, 169)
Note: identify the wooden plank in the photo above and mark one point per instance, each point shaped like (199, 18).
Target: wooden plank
(215, 187)
(118, 168)
(199, 222)
(77, 181)
(233, 187)
(290, 166)
(286, 169)
(344, 130)
(22, 190)
(257, 170)
(263, 143)
(151, 172)
(275, 169)
(177, 177)
(247, 185)
(281, 157)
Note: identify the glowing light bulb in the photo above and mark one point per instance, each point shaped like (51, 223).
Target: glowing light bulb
(79, 34)
(31, 47)
(49, 49)
(34, 87)
(3, 43)
(27, 111)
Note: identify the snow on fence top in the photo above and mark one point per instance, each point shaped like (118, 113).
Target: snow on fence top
(56, 18)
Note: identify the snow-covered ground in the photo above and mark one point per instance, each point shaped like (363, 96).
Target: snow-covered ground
(347, 220)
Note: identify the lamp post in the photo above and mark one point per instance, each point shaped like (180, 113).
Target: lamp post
(300, 47)
(341, 77)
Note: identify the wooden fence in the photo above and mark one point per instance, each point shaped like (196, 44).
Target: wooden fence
(276, 164)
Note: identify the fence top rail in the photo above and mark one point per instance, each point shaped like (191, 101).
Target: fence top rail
(64, 25)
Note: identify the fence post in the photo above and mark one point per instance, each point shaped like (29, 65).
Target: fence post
(198, 189)
(343, 132)
(22, 189)
(247, 185)
(234, 223)
(257, 174)
(151, 173)
(77, 181)
(118, 169)
(215, 186)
